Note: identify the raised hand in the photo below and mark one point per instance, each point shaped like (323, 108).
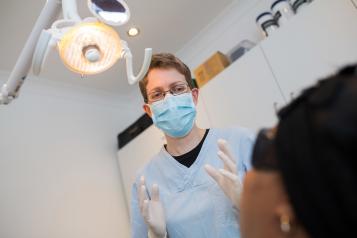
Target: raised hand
(152, 210)
(227, 178)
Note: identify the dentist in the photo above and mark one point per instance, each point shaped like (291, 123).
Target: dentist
(173, 196)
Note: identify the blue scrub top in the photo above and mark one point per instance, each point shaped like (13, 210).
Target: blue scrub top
(194, 204)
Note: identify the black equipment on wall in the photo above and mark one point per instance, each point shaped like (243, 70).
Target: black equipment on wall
(134, 130)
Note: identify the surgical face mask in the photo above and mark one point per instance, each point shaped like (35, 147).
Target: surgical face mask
(174, 115)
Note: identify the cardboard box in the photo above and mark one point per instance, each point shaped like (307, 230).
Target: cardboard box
(210, 68)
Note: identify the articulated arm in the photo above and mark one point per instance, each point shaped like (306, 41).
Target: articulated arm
(129, 63)
(11, 88)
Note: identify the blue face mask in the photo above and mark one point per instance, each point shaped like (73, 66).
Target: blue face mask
(174, 115)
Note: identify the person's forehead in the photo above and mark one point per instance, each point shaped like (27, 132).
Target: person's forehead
(163, 78)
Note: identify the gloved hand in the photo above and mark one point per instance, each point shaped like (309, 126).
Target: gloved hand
(227, 178)
(152, 210)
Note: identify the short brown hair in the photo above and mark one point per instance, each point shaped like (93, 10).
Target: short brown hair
(165, 61)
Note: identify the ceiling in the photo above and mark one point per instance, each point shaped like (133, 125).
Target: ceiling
(165, 25)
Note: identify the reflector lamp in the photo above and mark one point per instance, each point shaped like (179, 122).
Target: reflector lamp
(90, 48)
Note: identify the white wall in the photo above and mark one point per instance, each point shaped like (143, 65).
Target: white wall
(59, 176)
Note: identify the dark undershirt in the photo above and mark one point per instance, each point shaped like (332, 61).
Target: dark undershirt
(189, 158)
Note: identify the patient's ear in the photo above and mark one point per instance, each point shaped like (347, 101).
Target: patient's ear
(284, 209)
(287, 221)
(285, 217)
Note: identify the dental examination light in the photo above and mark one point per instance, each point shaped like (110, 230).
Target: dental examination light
(86, 46)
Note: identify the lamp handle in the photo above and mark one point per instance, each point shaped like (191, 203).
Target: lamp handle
(126, 53)
(70, 11)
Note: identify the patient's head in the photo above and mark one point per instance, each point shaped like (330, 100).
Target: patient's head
(304, 181)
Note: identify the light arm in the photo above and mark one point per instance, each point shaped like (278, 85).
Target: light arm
(10, 89)
(70, 11)
(129, 63)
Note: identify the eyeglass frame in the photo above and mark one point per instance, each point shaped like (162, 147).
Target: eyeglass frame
(164, 92)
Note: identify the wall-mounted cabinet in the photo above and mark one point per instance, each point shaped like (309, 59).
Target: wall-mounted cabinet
(244, 94)
(314, 44)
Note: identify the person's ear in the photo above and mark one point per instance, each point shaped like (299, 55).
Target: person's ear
(195, 93)
(147, 110)
(285, 217)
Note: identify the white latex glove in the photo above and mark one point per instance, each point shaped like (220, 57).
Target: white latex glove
(227, 178)
(152, 210)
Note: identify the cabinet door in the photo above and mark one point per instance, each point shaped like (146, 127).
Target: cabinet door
(313, 44)
(244, 94)
(133, 156)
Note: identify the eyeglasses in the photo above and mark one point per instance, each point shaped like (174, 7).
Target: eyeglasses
(175, 90)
